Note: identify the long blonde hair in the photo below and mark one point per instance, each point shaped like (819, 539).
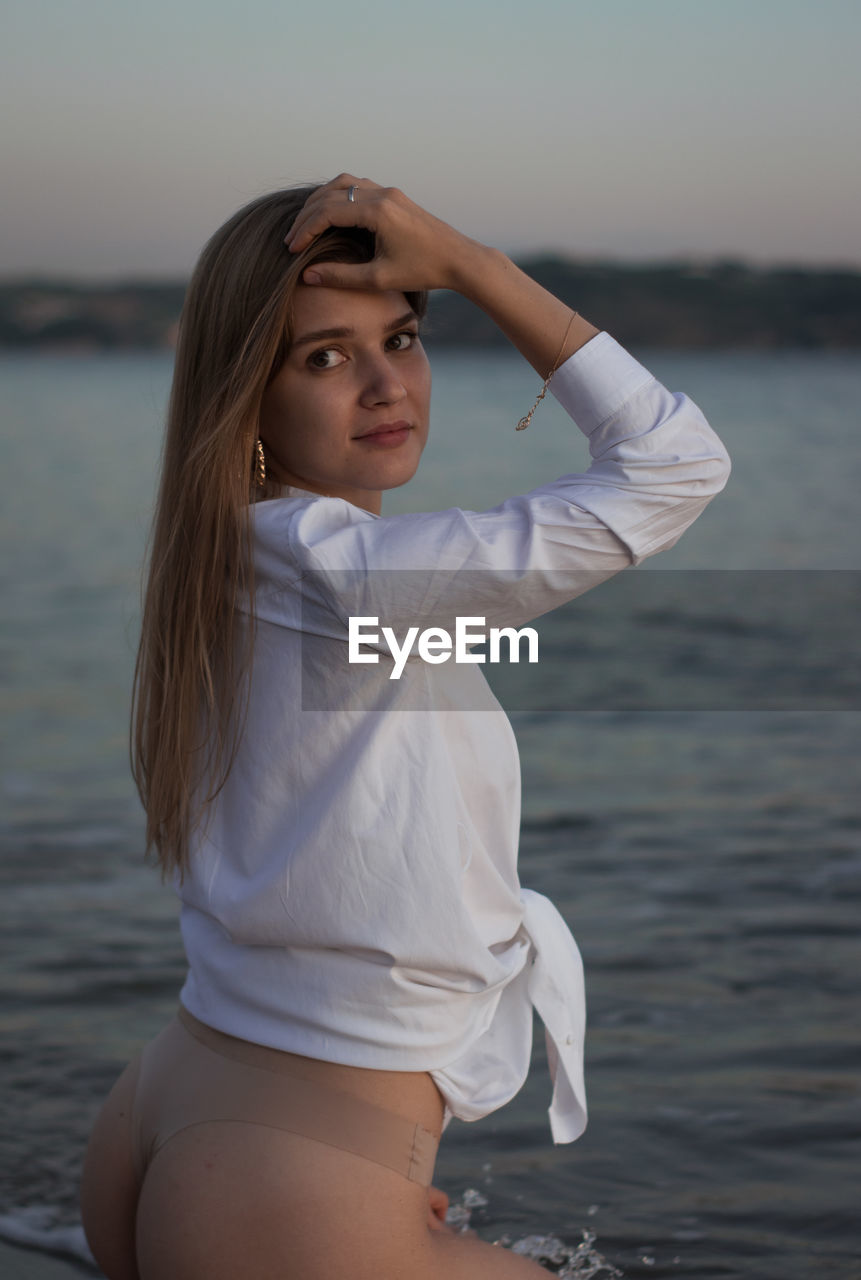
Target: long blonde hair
(190, 688)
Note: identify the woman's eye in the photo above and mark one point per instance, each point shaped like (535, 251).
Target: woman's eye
(404, 340)
(326, 359)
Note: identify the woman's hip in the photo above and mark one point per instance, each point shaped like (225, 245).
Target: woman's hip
(191, 1074)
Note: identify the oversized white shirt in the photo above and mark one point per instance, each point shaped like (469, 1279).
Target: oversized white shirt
(355, 896)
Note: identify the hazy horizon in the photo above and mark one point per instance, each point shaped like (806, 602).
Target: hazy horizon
(616, 131)
(131, 280)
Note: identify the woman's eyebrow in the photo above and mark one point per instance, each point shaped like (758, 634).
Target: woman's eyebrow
(322, 335)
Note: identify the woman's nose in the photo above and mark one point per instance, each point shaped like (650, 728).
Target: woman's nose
(382, 384)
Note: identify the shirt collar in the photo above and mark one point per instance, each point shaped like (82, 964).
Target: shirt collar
(294, 491)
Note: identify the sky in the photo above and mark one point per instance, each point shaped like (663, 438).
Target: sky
(626, 129)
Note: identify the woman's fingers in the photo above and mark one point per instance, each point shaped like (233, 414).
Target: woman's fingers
(339, 275)
(334, 211)
(437, 1208)
(414, 250)
(331, 206)
(341, 184)
(314, 199)
(438, 1201)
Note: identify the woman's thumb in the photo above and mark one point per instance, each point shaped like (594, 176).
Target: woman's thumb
(338, 275)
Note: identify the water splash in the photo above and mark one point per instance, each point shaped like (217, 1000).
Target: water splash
(581, 1261)
(459, 1214)
(39, 1227)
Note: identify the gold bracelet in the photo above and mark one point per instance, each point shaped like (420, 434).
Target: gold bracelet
(525, 421)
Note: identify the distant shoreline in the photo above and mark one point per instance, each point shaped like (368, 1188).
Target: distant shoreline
(684, 304)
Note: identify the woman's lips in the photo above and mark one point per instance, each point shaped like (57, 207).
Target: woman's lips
(386, 435)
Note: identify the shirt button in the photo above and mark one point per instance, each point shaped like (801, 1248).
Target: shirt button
(569, 1039)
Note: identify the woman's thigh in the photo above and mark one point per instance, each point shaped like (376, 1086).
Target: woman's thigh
(109, 1182)
(229, 1199)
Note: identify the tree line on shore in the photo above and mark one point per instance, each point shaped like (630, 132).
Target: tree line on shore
(723, 304)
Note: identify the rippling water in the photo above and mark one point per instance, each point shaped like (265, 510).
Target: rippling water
(707, 855)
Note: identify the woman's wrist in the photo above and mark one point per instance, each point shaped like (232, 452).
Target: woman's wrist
(533, 319)
(469, 266)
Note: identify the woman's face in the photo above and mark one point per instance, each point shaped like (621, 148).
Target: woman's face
(347, 413)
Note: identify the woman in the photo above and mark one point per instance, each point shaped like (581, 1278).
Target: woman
(342, 826)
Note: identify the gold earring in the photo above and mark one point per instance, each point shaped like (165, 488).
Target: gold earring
(260, 468)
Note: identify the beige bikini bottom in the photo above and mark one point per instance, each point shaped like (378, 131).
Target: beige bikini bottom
(191, 1074)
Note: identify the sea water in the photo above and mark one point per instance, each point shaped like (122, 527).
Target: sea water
(690, 803)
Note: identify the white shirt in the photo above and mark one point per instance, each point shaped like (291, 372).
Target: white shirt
(356, 897)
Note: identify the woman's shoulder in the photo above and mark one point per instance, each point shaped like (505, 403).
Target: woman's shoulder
(288, 532)
(317, 530)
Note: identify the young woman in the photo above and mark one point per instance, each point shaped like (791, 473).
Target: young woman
(363, 962)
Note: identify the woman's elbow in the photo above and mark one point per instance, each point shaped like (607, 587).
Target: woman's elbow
(719, 468)
(714, 464)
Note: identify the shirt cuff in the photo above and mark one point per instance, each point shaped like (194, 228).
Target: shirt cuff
(596, 381)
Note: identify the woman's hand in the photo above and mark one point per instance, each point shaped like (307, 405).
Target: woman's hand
(437, 1209)
(414, 250)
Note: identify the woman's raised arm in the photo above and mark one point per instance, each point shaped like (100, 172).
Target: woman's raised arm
(415, 250)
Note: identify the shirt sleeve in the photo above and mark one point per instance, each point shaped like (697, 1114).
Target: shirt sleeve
(656, 464)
